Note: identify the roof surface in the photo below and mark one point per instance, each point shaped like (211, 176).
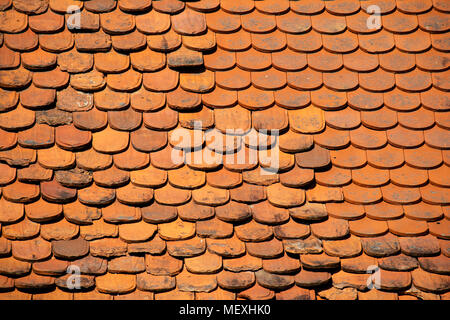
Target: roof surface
(92, 116)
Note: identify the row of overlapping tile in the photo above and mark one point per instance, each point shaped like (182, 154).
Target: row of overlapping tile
(88, 121)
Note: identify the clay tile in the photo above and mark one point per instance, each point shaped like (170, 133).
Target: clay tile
(51, 79)
(13, 79)
(282, 196)
(345, 248)
(433, 60)
(261, 80)
(189, 22)
(111, 177)
(110, 141)
(397, 61)
(363, 100)
(341, 81)
(398, 22)
(180, 99)
(401, 101)
(360, 61)
(117, 22)
(223, 22)
(380, 42)
(367, 227)
(439, 264)
(149, 282)
(293, 23)
(253, 231)
(413, 6)
(12, 267)
(386, 158)
(172, 196)
(422, 43)
(7, 174)
(369, 176)
(111, 62)
(129, 42)
(233, 79)
(413, 81)
(258, 22)
(205, 5)
(365, 138)
(332, 138)
(408, 227)
(423, 211)
(31, 250)
(124, 120)
(229, 247)
(418, 119)
(319, 261)
(274, 41)
(408, 177)
(213, 228)
(252, 60)
(429, 281)
(163, 265)
(360, 195)
(327, 99)
(163, 80)
(9, 100)
(398, 262)
(308, 279)
(169, 6)
(372, 81)
(439, 229)
(197, 82)
(59, 42)
(379, 119)
(37, 98)
(342, 43)
(186, 248)
(89, 22)
(219, 60)
(328, 23)
(115, 283)
(100, 6)
(334, 177)
(95, 195)
(273, 281)
(93, 42)
(403, 138)
(141, 5)
(233, 212)
(436, 138)
(304, 42)
(126, 81)
(53, 191)
(134, 195)
(291, 230)
(239, 280)
(325, 61)
(157, 213)
(345, 210)
(69, 137)
(419, 246)
(381, 246)
(434, 195)
(434, 99)
(39, 136)
(45, 22)
(131, 159)
(24, 41)
(314, 158)
(108, 247)
(117, 212)
(90, 81)
(350, 158)
(238, 41)
(76, 177)
(126, 264)
(13, 21)
(255, 99)
(439, 176)
(330, 229)
(433, 21)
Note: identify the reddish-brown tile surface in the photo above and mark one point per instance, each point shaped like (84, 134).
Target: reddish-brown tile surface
(112, 153)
